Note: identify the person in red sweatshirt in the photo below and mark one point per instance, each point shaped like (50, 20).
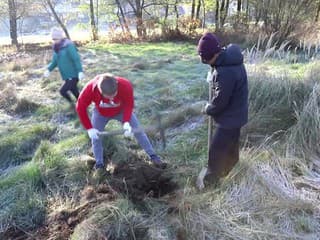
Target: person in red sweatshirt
(113, 99)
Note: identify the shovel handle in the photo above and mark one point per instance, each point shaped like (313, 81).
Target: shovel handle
(119, 132)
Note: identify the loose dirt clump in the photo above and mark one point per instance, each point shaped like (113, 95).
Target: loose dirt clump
(138, 179)
(60, 224)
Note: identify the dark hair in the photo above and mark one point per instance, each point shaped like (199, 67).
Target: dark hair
(108, 84)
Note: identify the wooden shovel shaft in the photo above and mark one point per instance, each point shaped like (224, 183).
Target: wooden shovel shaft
(159, 129)
(120, 132)
(210, 118)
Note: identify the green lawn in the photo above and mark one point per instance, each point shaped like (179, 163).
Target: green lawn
(42, 171)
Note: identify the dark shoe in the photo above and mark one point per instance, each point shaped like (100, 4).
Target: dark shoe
(211, 180)
(98, 166)
(155, 159)
(90, 162)
(99, 174)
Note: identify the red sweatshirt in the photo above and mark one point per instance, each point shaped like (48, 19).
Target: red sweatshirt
(122, 102)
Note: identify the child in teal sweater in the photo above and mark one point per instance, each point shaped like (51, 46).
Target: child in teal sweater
(66, 57)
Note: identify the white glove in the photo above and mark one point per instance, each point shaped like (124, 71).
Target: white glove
(209, 76)
(200, 178)
(46, 73)
(81, 76)
(128, 130)
(93, 133)
(204, 109)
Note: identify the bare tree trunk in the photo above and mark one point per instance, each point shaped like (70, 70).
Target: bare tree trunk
(217, 16)
(137, 7)
(166, 14)
(94, 30)
(97, 14)
(198, 9)
(223, 12)
(238, 6)
(177, 15)
(125, 23)
(317, 13)
(193, 6)
(56, 17)
(204, 14)
(247, 11)
(139, 21)
(13, 22)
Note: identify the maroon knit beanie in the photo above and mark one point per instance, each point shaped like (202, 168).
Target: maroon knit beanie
(208, 46)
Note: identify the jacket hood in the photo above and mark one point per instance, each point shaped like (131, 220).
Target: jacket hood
(231, 55)
(66, 42)
(62, 44)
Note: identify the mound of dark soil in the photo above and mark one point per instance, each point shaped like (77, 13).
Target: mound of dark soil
(139, 179)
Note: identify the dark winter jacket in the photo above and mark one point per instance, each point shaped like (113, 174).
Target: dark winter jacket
(229, 107)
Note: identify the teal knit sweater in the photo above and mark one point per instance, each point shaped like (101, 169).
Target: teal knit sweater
(67, 59)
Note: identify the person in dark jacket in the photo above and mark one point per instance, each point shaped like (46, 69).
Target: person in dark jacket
(228, 106)
(66, 58)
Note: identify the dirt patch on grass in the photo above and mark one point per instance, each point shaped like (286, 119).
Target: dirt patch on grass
(139, 179)
(136, 179)
(60, 224)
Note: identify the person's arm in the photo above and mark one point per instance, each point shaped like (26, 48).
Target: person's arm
(224, 91)
(129, 103)
(53, 63)
(74, 55)
(84, 100)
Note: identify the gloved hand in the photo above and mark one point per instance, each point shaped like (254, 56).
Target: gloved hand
(209, 76)
(128, 130)
(46, 73)
(81, 76)
(93, 133)
(205, 107)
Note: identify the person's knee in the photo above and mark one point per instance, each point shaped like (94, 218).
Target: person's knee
(96, 142)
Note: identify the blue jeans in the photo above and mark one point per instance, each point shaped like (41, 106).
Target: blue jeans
(99, 122)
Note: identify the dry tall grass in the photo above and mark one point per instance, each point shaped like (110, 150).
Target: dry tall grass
(304, 137)
(258, 200)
